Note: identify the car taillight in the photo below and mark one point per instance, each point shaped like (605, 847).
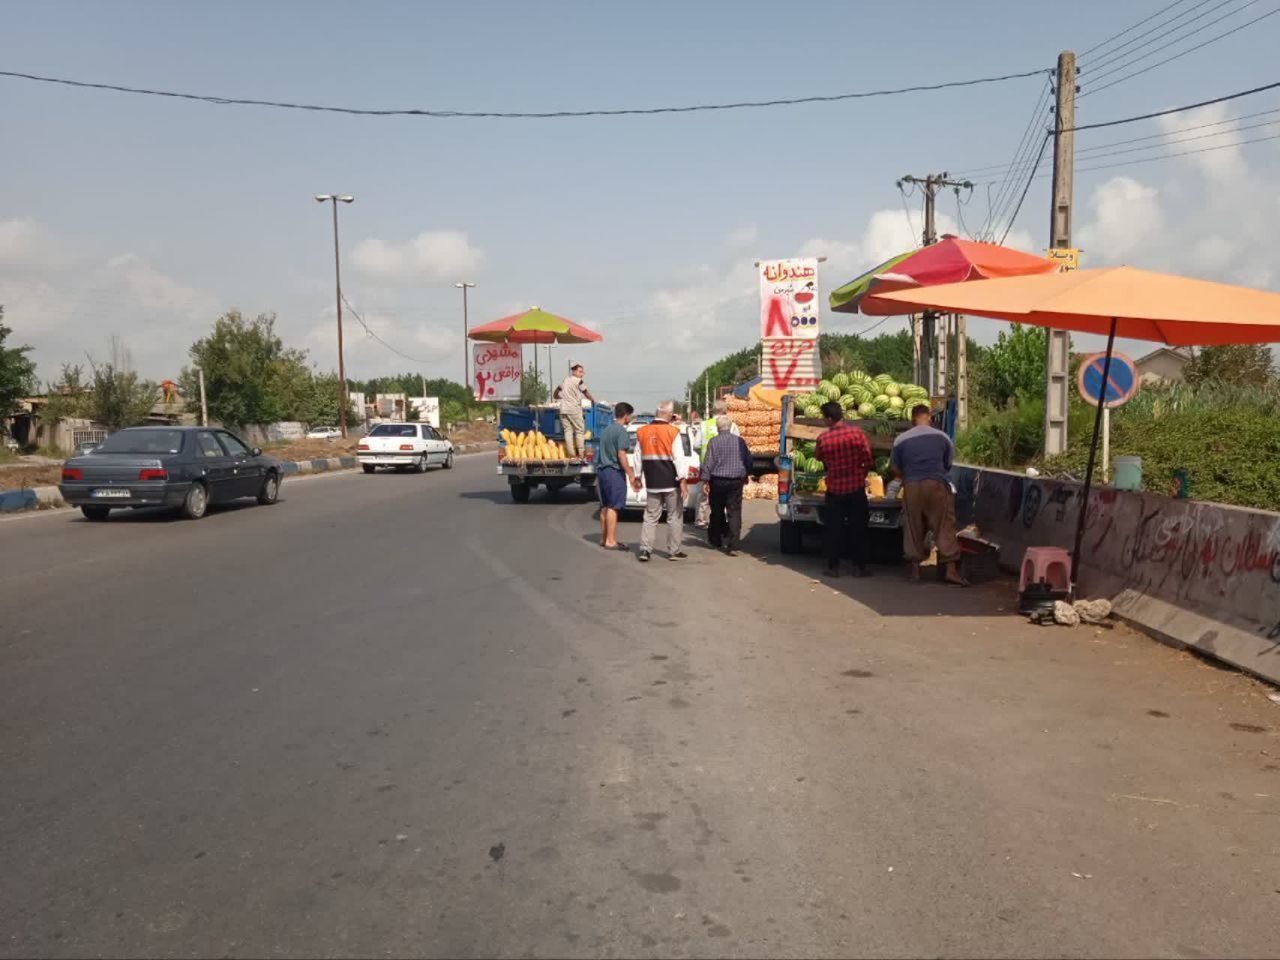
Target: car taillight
(591, 455)
(72, 473)
(784, 481)
(693, 474)
(153, 474)
(406, 446)
(362, 446)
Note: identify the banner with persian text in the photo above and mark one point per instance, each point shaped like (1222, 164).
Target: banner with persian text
(789, 324)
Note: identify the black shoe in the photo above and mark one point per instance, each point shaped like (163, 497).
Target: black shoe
(643, 556)
(679, 555)
(715, 543)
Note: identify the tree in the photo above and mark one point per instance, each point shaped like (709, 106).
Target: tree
(17, 372)
(1246, 364)
(1014, 368)
(532, 387)
(249, 374)
(116, 398)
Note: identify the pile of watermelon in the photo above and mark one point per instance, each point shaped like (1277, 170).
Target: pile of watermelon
(863, 397)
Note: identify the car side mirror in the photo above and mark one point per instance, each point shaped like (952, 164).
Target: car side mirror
(256, 451)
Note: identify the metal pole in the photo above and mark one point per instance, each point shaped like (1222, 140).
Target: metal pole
(1106, 439)
(1093, 452)
(1058, 352)
(962, 372)
(466, 326)
(204, 405)
(337, 283)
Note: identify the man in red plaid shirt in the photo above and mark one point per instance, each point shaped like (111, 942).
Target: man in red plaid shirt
(846, 452)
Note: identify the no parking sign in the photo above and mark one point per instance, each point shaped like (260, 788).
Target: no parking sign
(1122, 379)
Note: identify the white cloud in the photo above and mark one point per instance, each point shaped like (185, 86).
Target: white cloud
(433, 256)
(1127, 219)
(28, 244)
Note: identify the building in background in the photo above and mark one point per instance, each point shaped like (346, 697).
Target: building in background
(1165, 365)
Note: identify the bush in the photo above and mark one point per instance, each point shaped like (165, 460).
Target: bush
(1003, 437)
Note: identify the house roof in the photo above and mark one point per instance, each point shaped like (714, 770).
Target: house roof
(1177, 353)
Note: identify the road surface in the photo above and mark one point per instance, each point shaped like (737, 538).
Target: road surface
(400, 715)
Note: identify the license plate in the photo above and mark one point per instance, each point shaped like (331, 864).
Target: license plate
(879, 517)
(110, 492)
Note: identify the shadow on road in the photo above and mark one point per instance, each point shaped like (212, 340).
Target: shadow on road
(165, 514)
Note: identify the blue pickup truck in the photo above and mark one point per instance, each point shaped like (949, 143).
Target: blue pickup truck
(555, 475)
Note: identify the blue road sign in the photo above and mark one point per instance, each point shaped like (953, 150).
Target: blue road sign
(1122, 379)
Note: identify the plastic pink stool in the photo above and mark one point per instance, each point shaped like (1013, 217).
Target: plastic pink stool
(1050, 564)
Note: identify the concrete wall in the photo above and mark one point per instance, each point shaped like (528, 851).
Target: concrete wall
(1201, 574)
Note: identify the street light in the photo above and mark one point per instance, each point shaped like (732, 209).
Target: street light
(464, 286)
(335, 199)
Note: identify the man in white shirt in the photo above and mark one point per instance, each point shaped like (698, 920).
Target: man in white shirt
(570, 393)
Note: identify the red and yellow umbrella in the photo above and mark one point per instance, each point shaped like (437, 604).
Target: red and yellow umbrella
(534, 325)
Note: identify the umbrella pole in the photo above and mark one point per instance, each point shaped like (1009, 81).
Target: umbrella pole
(1093, 453)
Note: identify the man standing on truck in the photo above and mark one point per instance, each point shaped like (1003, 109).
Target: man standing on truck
(846, 452)
(664, 488)
(614, 473)
(921, 459)
(570, 393)
(725, 469)
(709, 430)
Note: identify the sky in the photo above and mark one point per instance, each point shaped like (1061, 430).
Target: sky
(146, 218)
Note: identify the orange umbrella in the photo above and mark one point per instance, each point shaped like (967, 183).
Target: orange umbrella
(1122, 301)
(1126, 301)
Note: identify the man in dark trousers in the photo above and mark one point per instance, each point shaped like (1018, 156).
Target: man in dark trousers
(846, 452)
(725, 468)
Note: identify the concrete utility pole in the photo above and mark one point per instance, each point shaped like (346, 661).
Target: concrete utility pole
(930, 366)
(1058, 354)
(204, 404)
(335, 199)
(464, 286)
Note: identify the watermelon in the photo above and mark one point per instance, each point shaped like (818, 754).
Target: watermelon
(881, 401)
(893, 389)
(848, 402)
(896, 403)
(841, 380)
(798, 461)
(862, 394)
(859, 376)
(816, 466)
(831, 391)
(866, 409)
(814, 412)
(823, 385)
(881, 381)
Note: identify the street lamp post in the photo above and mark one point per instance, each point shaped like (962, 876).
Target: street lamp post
(335, 199)
(466, 361)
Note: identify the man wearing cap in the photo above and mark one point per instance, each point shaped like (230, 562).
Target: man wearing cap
(570, 393)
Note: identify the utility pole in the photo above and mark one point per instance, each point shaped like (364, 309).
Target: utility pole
(929, 348)
(1058, 354)
(335, 199)
(204, 404)
(464, 286)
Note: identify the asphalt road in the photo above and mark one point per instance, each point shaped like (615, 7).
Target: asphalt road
(400, 715)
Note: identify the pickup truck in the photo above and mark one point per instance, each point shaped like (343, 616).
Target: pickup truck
(799, 496)
(556, 474)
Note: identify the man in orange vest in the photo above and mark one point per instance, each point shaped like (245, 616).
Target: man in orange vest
(665, 488)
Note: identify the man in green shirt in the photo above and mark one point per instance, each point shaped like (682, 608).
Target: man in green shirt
(614, 473)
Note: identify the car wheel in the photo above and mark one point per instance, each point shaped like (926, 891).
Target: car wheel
(520, 492)
(420, 465)
(96, 513)
(368, 467)
(195, 503)
(270, 491)
(789, 536)
(448, 461)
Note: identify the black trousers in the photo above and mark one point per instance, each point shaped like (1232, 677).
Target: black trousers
(844, 519)
(726, 512)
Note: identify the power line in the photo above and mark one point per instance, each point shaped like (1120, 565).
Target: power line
(367, 330)
(1189, 106)
(1170, 142)
(1128, 56)
(1132, 27)
(513, 115)
(1025, 143)
(1018, 209)
(1179, 55)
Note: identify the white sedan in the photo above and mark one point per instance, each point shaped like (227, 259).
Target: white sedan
(324, 433)
(688, 456)
(404, 446)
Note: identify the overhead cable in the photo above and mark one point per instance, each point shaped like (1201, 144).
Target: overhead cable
(519, 115)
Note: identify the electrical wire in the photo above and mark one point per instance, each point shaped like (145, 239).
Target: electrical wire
(1165, 113)
(1024, 142)
(964, 227)
(1132, 27)
(517, 115)
(1170, 142)
(1180, 153)
(359, 319)
(1179, 55)
(1018, 209)
(1128, 56)
(906, 211)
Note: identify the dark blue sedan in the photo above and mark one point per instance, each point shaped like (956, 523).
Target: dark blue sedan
(183, 468)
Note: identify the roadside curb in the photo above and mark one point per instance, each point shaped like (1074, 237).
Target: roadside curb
(47, 498)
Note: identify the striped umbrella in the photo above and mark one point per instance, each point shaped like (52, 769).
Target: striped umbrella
(534, 325)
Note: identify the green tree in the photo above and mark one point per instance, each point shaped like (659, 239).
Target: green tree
(17, 372)
(1013, 368)
(249, 374)
(1248, 364)
(532, 387)
(116, 397)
